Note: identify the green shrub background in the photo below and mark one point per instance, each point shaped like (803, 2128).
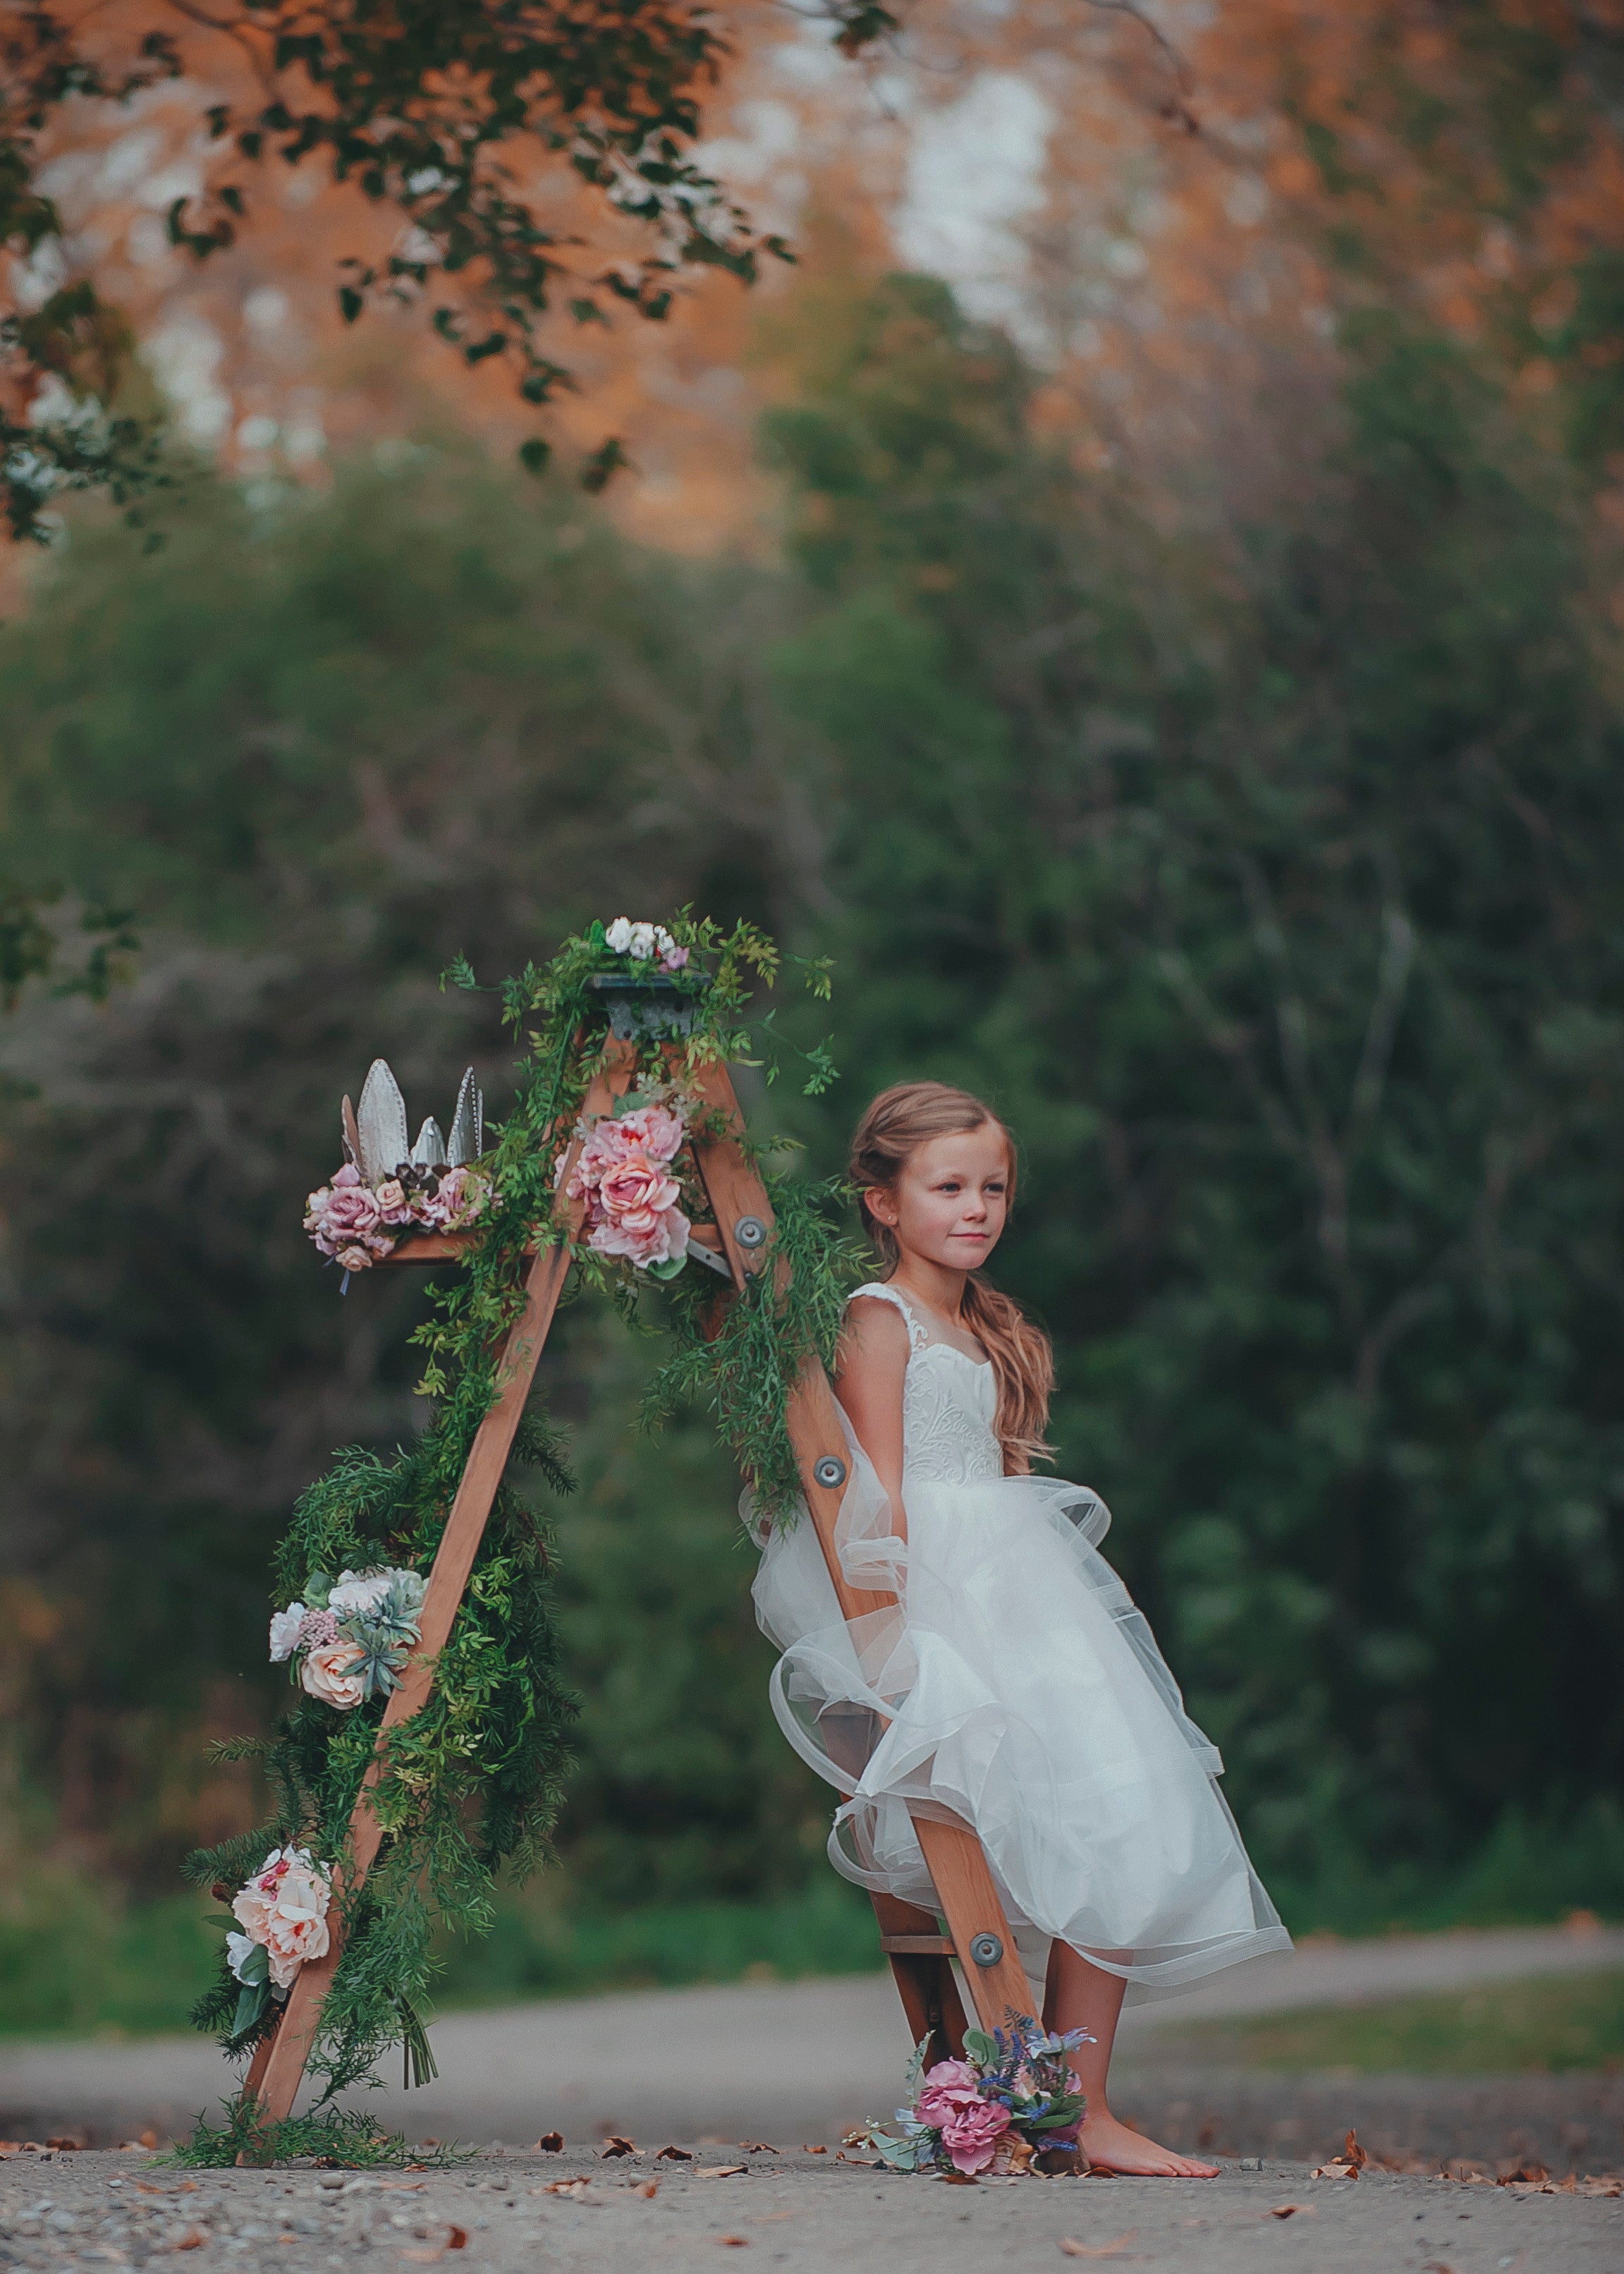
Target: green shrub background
(1266, 877)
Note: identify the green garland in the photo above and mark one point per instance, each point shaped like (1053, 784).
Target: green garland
(473, 1782)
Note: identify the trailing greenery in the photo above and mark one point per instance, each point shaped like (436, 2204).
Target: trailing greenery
(342, 2139)
(472, 1782)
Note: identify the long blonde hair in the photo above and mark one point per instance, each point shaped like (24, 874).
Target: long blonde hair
(899, 1121)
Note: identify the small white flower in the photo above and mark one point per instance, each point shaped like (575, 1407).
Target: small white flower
(619, 935)
(663, 940)
(237, 1947)
(285, 1632)
(642, 942)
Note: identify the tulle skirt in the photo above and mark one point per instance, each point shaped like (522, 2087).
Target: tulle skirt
(1015, 1687)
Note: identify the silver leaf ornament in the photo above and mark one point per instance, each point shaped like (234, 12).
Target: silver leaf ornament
(381, 1122)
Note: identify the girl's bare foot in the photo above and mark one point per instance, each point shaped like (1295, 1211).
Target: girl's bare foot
(1111, 2146)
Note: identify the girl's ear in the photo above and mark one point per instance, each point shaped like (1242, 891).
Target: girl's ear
(882, 1205)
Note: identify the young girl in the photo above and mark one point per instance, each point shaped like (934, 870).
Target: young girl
(1015, 1687)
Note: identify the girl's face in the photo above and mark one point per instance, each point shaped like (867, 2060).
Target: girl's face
(950, 1198)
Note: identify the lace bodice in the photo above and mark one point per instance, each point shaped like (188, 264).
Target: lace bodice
(949, 1401)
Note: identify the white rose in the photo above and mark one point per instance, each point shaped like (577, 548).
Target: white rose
(642, 942)
(663, 940)
(353, 1594)
(619, 935)
(285, 1632)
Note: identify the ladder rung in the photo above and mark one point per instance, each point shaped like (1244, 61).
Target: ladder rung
(916, 1946)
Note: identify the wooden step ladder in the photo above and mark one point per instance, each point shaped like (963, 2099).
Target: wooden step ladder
(921, 1953)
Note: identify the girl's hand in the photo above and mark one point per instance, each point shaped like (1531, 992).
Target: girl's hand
(869, 1369)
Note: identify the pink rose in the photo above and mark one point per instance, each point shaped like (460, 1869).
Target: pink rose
(328, 1673)
(348, 1175)
(643, 1235)
(394, 1202)
(341, 1216)
(675, 957)
(459, 1199)
(357, 1259)
(972, 2133)
(637, 1186)
(651, 1129)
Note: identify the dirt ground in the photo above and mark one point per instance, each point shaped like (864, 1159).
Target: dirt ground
(509, 2210)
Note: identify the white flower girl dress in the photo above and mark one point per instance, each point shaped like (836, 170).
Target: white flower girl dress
(1016, 1687)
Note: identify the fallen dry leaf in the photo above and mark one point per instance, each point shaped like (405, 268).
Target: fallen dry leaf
(1070, 2248)
(807, 2151)
(573, 2188)
(647, 2188)
(1290, 2210)
(736, 2241)
(551, 2142)
(1438, 2266)
(1348, 2166)
(614, 2145)
(456, 2239)
(193, 2239)
(674, 2155)
(758, 2148)
(66, 2144)
(718, 2171)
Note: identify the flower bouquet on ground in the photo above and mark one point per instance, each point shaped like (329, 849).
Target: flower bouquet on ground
(1013, 2101)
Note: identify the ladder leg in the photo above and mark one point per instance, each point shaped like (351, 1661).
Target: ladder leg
(924, 1979)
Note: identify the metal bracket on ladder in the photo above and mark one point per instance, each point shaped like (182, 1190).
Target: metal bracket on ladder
(921, 1955)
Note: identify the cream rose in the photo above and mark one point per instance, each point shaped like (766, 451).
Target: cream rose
(328, 1673)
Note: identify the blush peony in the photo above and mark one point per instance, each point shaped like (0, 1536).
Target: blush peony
(971, 2133)
(651, 1129)
(950, 2085)
(328, 1673)
(284, 1907)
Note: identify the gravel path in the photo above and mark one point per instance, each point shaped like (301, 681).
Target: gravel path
(505, 2214)
(805, 2061)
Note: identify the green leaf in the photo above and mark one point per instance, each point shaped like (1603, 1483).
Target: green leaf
(535, 453)
(250, 2006)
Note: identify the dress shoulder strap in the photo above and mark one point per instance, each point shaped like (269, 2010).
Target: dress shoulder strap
(917, 1336)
